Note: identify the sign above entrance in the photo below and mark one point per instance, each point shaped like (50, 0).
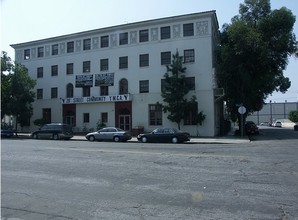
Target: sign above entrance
(93, 99)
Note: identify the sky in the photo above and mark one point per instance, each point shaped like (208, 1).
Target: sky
(28, 20)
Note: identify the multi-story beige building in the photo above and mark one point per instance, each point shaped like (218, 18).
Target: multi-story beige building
(114, 75)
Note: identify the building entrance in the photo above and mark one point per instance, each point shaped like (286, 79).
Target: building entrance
(124, 122)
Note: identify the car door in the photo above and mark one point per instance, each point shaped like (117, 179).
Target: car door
(110, 133)
(43, 132)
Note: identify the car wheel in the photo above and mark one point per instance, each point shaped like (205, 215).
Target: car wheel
(174, 140)
(144, 139)
(35, 136)
(55, 136)
(91, 138)
(116, 139)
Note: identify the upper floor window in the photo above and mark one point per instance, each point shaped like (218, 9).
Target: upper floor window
(104, 64)
(87, 44)
(189, 56)
(55, 49)
(123, 62)
(86, 66)
(69, 90)
(104, 41)
(54, 70)
(39, 72)
(104, 90)
(86, 91)
(40, 52)
(69, 68)
(165, 32)
(143, 35)
(39, 93)
(70, 47)
(144, 86)
(123, 38)
(144, 60)
(27, 54)
(54, 93)
(188, 30)
(165, 58)
(123, 86)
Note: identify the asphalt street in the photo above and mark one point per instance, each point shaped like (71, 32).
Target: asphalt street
(46, 179)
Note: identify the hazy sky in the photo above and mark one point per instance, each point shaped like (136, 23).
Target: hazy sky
(28, 20)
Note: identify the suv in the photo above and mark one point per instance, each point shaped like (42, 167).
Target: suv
(54, 131)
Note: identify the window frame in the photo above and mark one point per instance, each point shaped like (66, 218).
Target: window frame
(39, 93)
(166, 58)
(144, 60)
(123, 62)
(70, 47)
(69, 90)
(86, 117)
(104, 64)
(144, 35)
(87, 66)
(69, 68)
(189, 56)
(144, 86)
(165, 32)
(39, 72)
(87, 44)
(188, 30)
(104, 41)
(54, 70)
(123, 38)
(54, 92)
(55, 49)
(155, 114)
(27, 54)
(40, 52)
(104, 90)
(86, 91)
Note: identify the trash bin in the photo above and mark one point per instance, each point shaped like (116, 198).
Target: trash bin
(137, 130)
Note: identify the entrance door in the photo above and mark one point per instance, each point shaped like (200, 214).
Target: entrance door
(124, 122)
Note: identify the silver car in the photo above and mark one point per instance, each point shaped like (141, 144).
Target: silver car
(109, 134)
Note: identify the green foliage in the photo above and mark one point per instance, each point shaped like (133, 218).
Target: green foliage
(293, 116)
(18, 95)
(100, 125)
(253, 54)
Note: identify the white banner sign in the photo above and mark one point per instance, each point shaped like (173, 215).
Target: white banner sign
(109, 98)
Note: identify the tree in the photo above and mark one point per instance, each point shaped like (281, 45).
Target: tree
(254, 51)
(174, 90)
(6, 67)
(18, 91)
(293, 116)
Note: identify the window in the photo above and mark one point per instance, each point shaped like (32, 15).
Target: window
(155, 114)
(104, 117)
(189, 56)
(144, 86)
(69, 90)
(87, 44)
(39, 94)
(86, 91)
(144, 60)
(69, 68)
(39, 72)
(190, 114)
(55, 49)
(104, 90)
(123, 38)
(40, 52)
(123, 86)
(165, 58)
(104, 41)
(54, 70)
(47, 115)
(104, 64)
(70, 47)
(191, 83)
(123, 62)
(144, 35)
(188, 30)
(86, 118)
(86, 66)
(27, 54)
(54, 93)
(165, 32)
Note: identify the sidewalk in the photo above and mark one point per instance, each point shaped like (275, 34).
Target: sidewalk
(227, 139)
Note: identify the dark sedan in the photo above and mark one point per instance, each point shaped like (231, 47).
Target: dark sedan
(170, 135)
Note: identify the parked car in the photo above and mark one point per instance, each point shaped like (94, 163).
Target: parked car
(54, 131)
(109, 134)
(171, 135)
(251, 128)
(6, 131)
(285, 123)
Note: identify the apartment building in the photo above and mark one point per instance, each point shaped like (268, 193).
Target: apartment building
(114, 75)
